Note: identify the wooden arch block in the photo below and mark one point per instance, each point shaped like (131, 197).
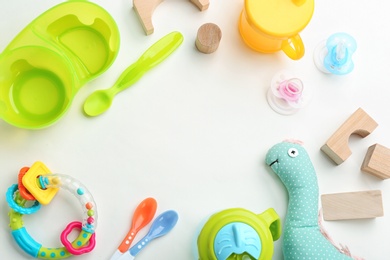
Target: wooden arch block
(377, 161)
(337, 147)
(145, 9)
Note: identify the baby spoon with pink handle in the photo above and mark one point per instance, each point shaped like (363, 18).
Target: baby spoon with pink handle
(160, 226)
(143, 214)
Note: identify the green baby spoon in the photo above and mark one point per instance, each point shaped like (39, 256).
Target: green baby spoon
(99, 101)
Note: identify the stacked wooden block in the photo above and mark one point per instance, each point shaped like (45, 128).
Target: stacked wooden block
(364, 204)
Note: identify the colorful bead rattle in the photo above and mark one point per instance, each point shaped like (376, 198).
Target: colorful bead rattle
(39, 185)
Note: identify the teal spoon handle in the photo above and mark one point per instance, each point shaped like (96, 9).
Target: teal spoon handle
(153, 56)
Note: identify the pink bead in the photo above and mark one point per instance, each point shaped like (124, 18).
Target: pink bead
(90, 220)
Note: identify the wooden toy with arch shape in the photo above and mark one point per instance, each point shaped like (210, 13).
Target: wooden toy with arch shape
(145, 9)
(359, 123)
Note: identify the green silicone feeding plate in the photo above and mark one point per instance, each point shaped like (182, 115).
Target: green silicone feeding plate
(48, 61)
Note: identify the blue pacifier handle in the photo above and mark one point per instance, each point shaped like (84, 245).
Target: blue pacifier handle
(340, 47)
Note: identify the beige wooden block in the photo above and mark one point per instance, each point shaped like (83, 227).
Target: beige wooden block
(359, 123)
(145, 9)
(201, 4)
(377, 161)
(352, 205)
(208, 38)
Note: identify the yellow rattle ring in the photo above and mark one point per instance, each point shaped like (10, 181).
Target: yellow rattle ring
(84, 243)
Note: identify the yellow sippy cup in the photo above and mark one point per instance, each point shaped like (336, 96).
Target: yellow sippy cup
(272, 25)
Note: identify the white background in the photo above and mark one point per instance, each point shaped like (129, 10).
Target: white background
(194, 131)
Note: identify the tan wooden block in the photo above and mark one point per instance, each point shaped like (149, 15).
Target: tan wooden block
(359, 123)
(201, 4)
(377, 161)
(352, 205)
(145, 8)
(208, 38)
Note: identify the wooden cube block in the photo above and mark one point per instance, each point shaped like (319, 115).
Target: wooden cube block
(377, 161)
(352, 205)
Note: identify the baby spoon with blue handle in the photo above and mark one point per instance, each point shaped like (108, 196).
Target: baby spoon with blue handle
(160, 226)
(99, 101)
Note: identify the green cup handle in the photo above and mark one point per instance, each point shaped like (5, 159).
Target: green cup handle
(272, 219)
(293, 47)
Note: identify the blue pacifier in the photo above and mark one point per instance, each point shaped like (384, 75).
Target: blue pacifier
(335, 54)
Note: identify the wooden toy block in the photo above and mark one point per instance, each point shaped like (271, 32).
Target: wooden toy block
(337, 147)
(377, 161)
(208, 38)
(201, 4)
(145, 9)
(352, 205)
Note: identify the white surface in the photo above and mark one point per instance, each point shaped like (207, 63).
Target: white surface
(194, 131)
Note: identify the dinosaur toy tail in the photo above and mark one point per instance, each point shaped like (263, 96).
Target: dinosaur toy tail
(342, 248)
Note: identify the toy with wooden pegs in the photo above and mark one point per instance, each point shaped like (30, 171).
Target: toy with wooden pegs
(359, 123)
(145, 9)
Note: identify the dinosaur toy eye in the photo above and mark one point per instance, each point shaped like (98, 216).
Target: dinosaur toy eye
(292, 152)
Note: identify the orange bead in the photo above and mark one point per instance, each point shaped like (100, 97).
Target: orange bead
(89, 205)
